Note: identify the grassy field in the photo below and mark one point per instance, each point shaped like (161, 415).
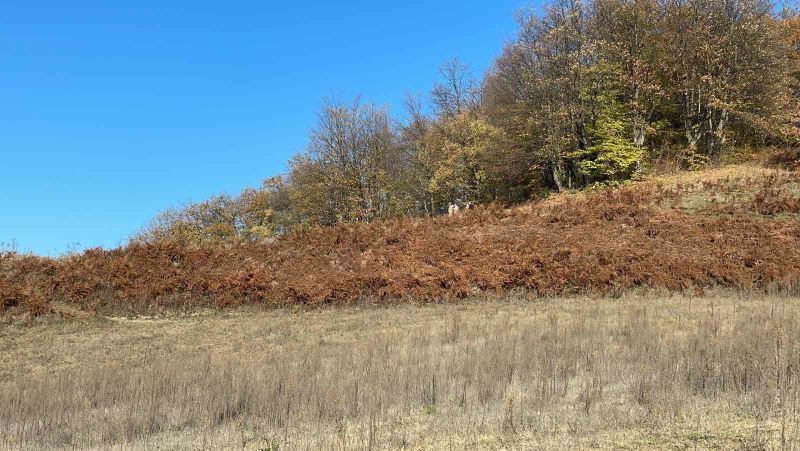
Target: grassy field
(718, 371)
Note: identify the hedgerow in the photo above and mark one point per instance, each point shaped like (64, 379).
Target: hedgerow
(742, 233)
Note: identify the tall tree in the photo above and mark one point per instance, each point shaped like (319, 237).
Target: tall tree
(790, 125)
(628, 34)
(422, 160)
(547, 92)
(344, 175)
(457, 91)
(722, 57)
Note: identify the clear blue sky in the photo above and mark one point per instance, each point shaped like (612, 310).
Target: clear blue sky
(113, 111)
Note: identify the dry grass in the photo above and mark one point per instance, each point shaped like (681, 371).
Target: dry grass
(679, 372)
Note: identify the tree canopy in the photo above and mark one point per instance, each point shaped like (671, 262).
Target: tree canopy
(588, 92)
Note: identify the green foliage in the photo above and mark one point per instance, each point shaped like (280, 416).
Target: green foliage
(612, 156)
(693, 160)
(463, 142)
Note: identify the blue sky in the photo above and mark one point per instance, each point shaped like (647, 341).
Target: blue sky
(114, 111)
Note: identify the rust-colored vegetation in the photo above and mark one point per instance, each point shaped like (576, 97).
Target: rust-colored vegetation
(736, 228)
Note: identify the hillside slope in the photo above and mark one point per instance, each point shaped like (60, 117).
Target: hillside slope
(737, 226)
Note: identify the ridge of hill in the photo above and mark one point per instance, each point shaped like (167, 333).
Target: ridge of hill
(736, 226)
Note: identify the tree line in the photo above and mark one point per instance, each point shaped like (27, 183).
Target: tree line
(588, 92)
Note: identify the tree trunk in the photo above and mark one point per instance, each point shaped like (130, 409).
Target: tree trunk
(639, 129)
(639, 125)
(717, 129)
(558, 175)
(693, 134)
